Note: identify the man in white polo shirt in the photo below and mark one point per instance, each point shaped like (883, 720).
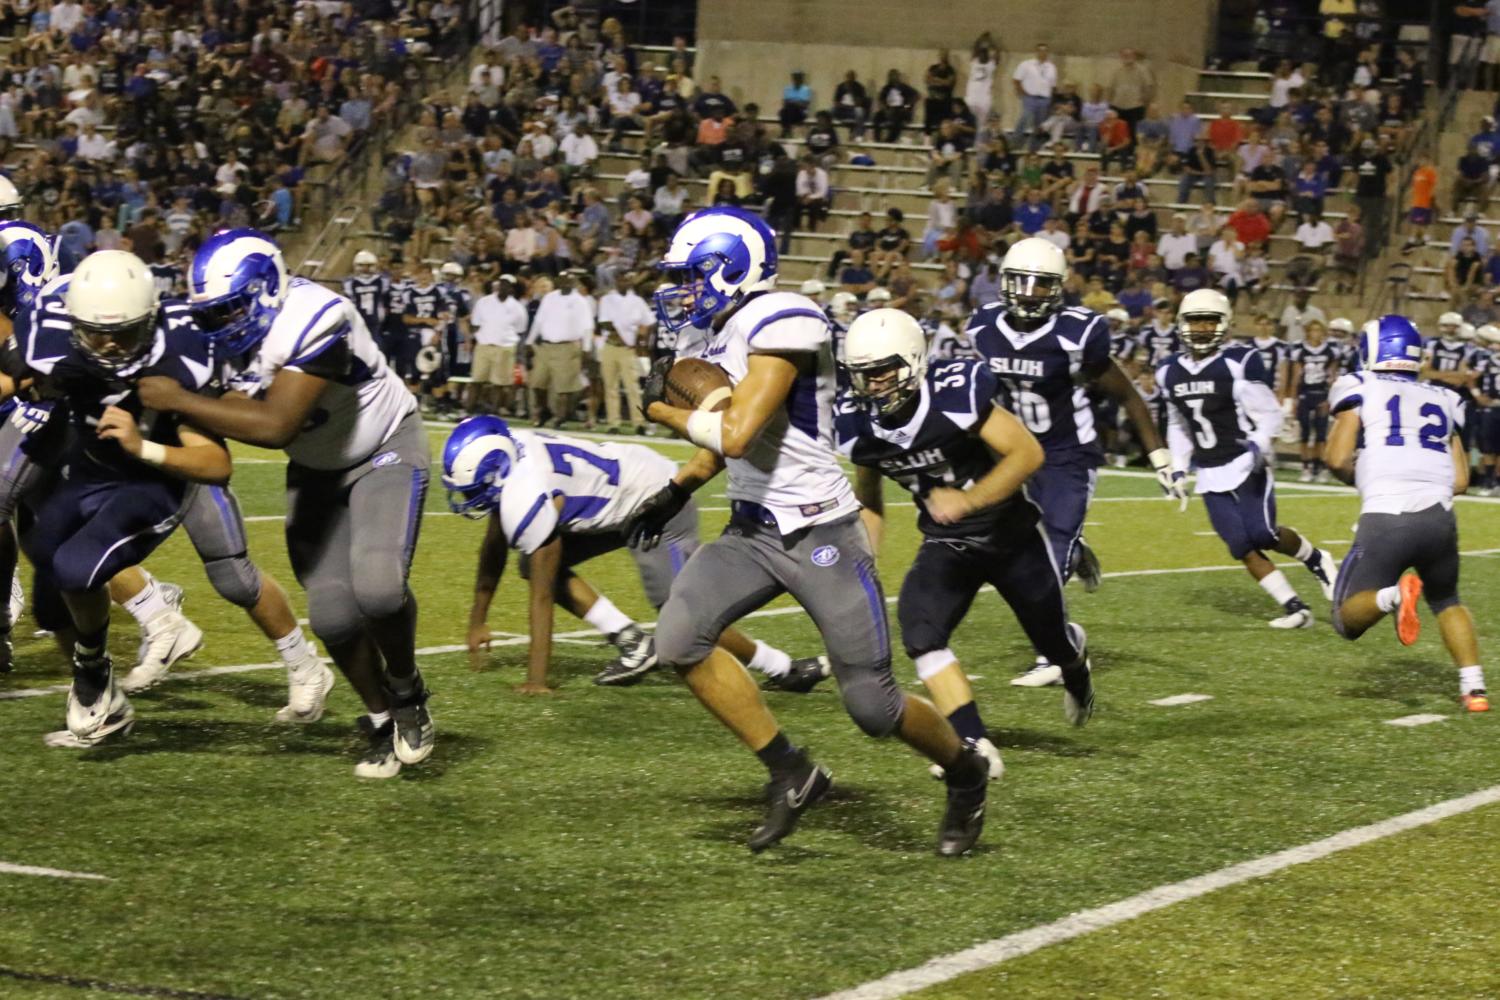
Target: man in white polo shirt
(624, 322)
(562, 329)
(499, 321)
(1034, 80)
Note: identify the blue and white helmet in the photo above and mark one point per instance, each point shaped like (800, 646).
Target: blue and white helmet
(236, 287)
(1391, 344)
(716, 257)
(478, 456)
(27, 262)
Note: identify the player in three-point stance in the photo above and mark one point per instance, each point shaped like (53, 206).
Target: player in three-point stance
(561, 501)
(1043, 356)
(1222, 421)
(794, 524)
(938, 432)
(304, 374)
(1398, 440)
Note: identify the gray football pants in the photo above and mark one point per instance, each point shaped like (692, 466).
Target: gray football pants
(828, 568)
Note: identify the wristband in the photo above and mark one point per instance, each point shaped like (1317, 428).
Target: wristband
(153, 453)
(1160, 459)
(706, 430)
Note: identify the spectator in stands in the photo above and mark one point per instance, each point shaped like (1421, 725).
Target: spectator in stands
(1284, 80)
(1422, 198)
(1032, 212)
(1064, 115)
(1131, 88)
(892, 243)
(856, 277)
(823, 140)
(1471, 183)
(1489, 55)
(1054, 231)
(1348, 250)
(1224, 257)
(1309, 188)
(851, 105)
(777, 188)
(1372, 190)
(1152, 142)
(1298, 313)
(1086, 196)
(796, 99)
(1250, 155)
(1225, 134)
(1465, 269)
(1034, 80)
(1250, 223)
(1114, 140)
(1140, 219)
(942, 217)
(895, 106)
(668, 203)
(1183, 129)
(1198, 170)
(579, 152)
(979, 93)
(1268, 186)
(812, 194)
(1470, 229)
(945, 154)
(1090, 116)
(1057, 175)
(940, 80)
(1174, 246)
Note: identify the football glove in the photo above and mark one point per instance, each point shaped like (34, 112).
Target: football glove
(654, 386)
(1179, 491)
(651, 519)
(1171, 483)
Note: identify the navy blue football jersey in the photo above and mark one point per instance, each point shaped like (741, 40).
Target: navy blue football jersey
(1274, 352)
(1041, 372)
(1159, 344)
(371, 297)
(1318, 367)
(1479, 358)
(1123, 347)
(179, 352)
(1489, 379)
(425, 301)
(938, 446)
(1446, 356)
(1203, 394)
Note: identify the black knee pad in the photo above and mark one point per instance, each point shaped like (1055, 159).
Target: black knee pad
(873, 700)
(236, 579)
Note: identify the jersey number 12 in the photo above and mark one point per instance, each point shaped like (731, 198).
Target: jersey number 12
(1432, 435)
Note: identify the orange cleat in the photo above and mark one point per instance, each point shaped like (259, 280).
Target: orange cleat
(1408, 625)
(1476, 701)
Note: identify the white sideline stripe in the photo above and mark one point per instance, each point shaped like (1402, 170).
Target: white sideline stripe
(1181, 699)
(1337, 541)
(1416, 720)
(515, 639)
(6, 868)
(1003, 949)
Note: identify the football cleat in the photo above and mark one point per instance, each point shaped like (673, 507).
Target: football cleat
(1408, 622)
(1322, 566)
(1306, 475)
(637, 658)
(1301, 618)
(804, 675)
(991, 754)
(788, 796)
(165, 639)
(97, 708)
(1078, 693)
(1322, 476)
(963, 819)
(380, 760)
(17, 598)
(415, 734)
(1088, 570)
(308, 684)
(1476, 701)
(1042, 674)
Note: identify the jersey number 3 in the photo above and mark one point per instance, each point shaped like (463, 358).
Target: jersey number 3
(1433, 435)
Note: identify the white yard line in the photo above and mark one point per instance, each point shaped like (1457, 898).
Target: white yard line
(1003, 949)
(1181, 699)
(6, 868)
(1416, 720)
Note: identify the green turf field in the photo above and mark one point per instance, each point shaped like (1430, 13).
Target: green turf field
(590, 844)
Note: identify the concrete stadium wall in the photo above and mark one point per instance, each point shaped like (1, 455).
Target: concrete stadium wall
(754, 45)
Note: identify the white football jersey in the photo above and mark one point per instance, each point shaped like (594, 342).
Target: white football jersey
(320, 332)
(1404, 463)
(601, 484)
(792, 468)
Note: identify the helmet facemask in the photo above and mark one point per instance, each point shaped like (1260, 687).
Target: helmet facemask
(1203, 332)
(886, 385)
(1031, 295)
(115, 347)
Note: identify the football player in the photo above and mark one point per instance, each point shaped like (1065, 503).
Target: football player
(1222, 421)
(1487, 409)
(561, 501)
(937, 431)
(1275, 355)
(369, 290)
(1159, 336)
(1043, 355)
(124, 472)
(1123, 347)
(456, 333)
(794, 524)
(1397, 440)
(1314, 365)
(1445, 360)
(305, 376)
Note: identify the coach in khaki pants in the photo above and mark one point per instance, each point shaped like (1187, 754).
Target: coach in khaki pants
(499, 321)
(623, 319)
(561, 329)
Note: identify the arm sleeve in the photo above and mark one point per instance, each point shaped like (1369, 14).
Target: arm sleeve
(1260, 405)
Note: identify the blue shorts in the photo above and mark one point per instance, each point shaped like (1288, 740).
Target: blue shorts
(1062, 488)
(1245, 518)
(88, 529)
(1312, 418)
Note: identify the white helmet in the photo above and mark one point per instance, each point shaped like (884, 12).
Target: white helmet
(885, 355)
(843, 307)
(111, 299)
(876, 296)
(1466, 331)
(452, 270)
(1031, 278)
(1340, 325)
(10, 199)
(365, 262)
(813, 288)
(1489, 333)
(1449, 324)
(1117, 315)
(1197, 306)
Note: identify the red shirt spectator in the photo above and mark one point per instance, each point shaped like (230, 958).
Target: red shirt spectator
(712, 131)
(1224, 133)
(1250, 224)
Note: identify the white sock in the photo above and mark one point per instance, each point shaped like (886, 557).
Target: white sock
(1275, 584)
(769, 660)
(1305, 550)
(1470, 679)
(605, 617)
(1388, 599)
(149, 603)
(379, 719)
(293, 647)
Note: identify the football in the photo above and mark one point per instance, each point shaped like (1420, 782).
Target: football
(695, 384)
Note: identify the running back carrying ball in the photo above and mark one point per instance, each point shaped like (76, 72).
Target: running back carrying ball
(695, 384)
